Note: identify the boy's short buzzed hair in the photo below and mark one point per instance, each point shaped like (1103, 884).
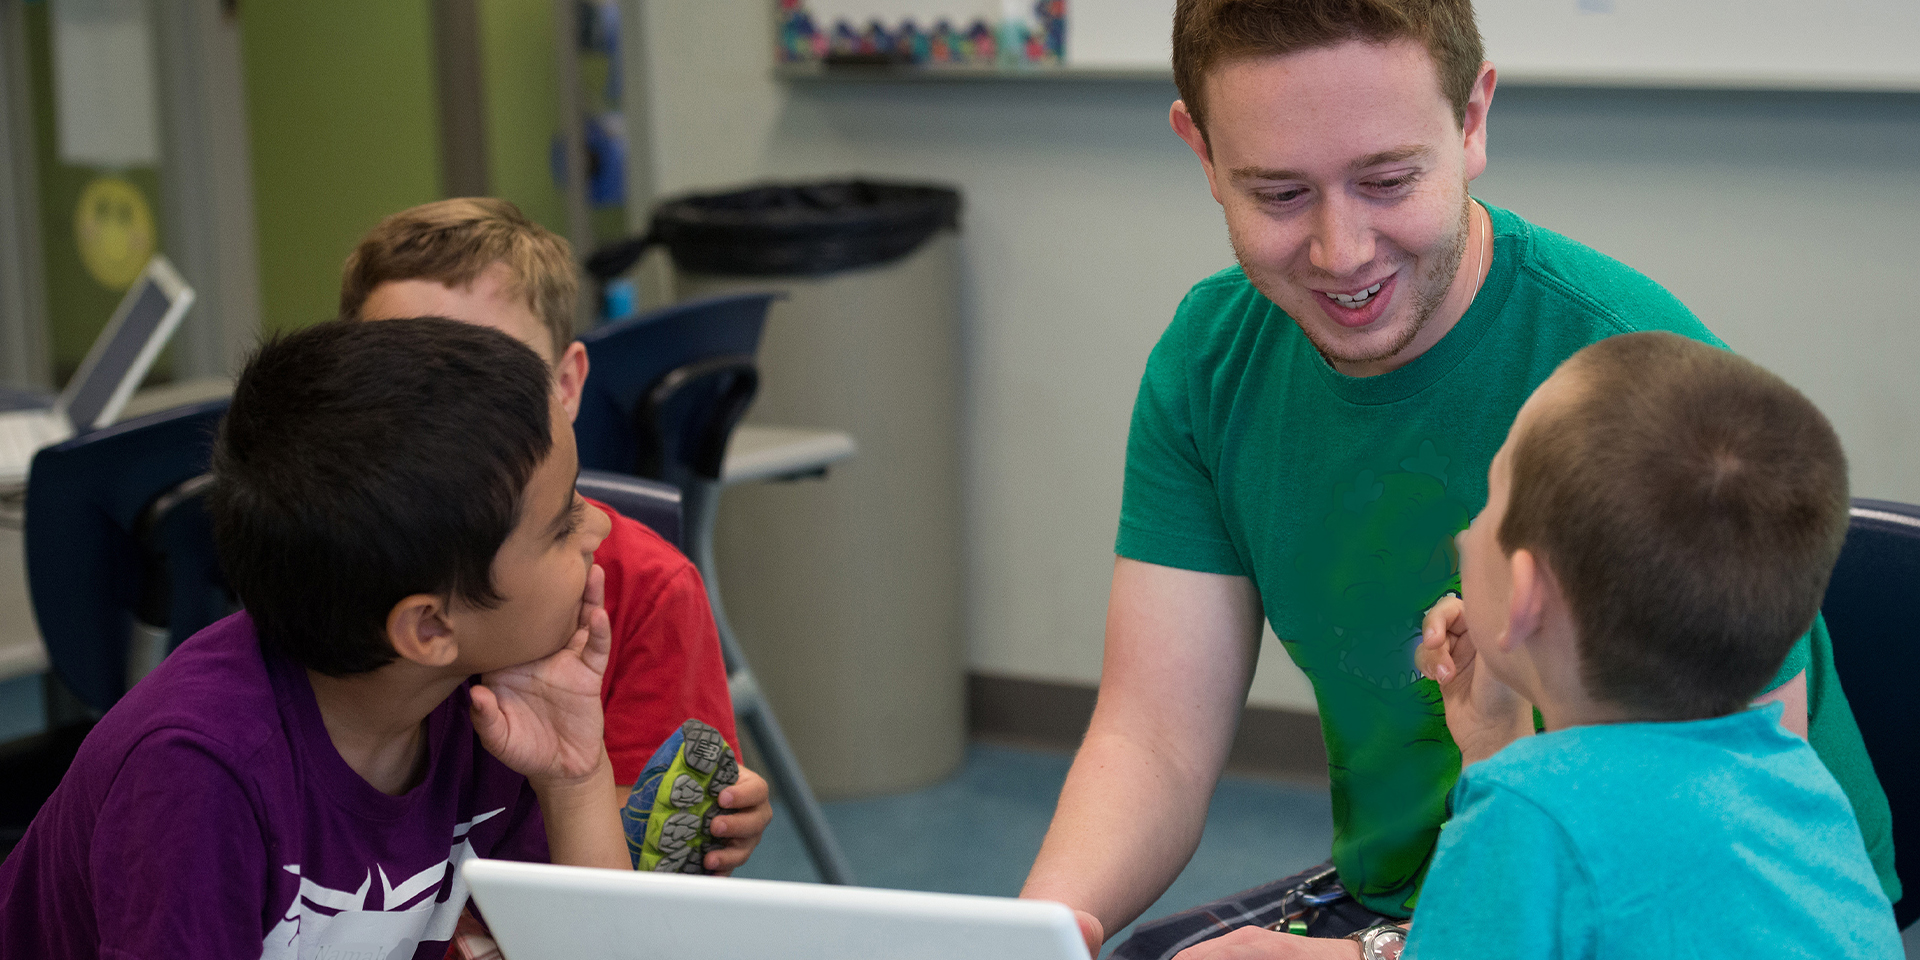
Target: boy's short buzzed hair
(452, 242)
(362, 463)
(1691, 505)
(1208, 33)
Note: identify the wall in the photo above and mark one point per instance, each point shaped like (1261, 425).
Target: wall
(1786, 221)
(344, 129)
(77, 304)
(522, 97)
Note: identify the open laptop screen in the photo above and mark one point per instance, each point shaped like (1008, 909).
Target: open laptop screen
(128, 346)
(542, 912)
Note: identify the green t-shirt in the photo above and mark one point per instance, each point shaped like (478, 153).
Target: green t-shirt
(1339, 498)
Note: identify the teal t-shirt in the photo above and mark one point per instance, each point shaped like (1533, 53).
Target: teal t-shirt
(1339, 497)
(1722, 838)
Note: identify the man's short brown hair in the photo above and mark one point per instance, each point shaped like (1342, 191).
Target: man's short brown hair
(1691, 506)
(452, 242)
(1207, 33)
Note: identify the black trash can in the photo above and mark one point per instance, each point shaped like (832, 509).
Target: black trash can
(846, 594)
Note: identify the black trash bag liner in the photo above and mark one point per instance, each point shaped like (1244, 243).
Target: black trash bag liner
(790, 230)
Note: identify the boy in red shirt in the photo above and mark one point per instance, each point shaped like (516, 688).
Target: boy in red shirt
(480, 260)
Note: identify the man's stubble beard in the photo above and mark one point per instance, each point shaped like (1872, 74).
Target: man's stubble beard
(1429, 293)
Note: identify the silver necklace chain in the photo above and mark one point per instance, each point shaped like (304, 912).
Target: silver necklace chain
(1479, 252)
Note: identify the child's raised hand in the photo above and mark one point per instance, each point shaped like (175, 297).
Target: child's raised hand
(542, 719)
(1483, 714)
(749, 810)
(1444, 646)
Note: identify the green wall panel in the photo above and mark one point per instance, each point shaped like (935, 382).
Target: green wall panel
(343, 119)
(522, 106)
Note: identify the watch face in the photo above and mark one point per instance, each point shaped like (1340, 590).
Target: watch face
(1383, 943)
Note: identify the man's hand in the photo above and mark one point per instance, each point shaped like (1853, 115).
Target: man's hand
(1483, 714)
(1257, 943)
(1091, 930)
(542, 719)
(752, 811)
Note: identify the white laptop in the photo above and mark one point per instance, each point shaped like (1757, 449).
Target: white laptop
(543, 912)
(113, 369)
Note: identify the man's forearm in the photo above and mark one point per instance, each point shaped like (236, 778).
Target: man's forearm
(1127, 823)
(1178, 659)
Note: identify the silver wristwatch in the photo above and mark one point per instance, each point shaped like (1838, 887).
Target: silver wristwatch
(1382, 941)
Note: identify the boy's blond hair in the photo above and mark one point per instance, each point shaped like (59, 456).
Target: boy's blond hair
(452, 242)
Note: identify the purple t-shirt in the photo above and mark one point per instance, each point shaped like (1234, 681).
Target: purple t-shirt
(209, 815)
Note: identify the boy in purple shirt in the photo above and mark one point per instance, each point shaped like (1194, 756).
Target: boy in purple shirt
(305, 778)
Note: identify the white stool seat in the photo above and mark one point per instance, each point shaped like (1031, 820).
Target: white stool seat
(757, 453)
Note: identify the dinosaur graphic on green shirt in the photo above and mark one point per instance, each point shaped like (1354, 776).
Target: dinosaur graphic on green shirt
(1367, 574)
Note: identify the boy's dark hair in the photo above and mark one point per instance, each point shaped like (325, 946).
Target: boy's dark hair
(452, 242)
(1208, 33)
(362, 463)
(1691, 506)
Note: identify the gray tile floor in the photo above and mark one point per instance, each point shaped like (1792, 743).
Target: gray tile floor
(978, 833)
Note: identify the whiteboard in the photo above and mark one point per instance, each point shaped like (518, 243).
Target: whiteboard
(1765, 44)
(1838, 44)
(1120, 34)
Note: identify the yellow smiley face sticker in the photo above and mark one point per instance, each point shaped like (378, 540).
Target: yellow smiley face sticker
(114, 228)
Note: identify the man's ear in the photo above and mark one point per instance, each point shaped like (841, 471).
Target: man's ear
(418, 629)
(1527, 600)
(1189, 131)
(570, 375)
(1474, 124)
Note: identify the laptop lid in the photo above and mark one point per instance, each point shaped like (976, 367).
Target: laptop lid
(126, 348)
(545, 912)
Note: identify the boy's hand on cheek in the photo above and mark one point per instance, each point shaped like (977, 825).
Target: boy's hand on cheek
(542, 719)
(1483, 714)
(752, 811)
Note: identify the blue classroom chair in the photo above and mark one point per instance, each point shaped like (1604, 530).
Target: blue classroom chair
(655, 504)
(116, 535)
(120, 569)
(1869, 612)
(664, 391)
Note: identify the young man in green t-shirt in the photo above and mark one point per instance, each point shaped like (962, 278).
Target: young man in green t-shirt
(1313, 429)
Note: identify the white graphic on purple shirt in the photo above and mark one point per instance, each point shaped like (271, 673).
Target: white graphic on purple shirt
(327, 924)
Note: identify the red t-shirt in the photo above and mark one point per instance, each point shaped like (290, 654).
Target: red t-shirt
(666, 664)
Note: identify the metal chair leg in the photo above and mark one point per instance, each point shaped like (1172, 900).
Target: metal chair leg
(788, 781)
(751, 707)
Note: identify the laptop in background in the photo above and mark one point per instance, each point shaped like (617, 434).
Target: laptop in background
(544, 912)
(119, 359)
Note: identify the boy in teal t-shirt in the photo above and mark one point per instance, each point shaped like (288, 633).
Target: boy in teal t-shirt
(1339, 497)
(1659, 528)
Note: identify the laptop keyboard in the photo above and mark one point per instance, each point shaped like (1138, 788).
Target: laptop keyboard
(22, 434)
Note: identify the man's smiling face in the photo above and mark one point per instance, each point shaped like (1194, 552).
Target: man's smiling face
(1343, 175)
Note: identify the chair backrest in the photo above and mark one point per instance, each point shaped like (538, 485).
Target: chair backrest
(630, 359)
(1870, 613)
(91, 532)
(682, 425)
(651, 502)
